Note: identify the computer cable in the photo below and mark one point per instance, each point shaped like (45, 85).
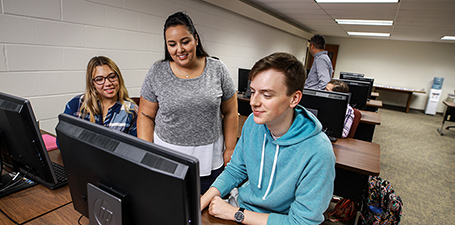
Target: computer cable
(17, 182)
(9, 184)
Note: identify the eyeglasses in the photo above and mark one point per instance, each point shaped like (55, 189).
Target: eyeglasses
(112, 77)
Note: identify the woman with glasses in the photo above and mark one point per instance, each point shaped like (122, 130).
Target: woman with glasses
(106, 101)
(189, 102)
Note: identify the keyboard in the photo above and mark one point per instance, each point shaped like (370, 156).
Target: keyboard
(59, 173)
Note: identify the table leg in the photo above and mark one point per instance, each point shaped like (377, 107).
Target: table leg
(409, 101)
(443, 121)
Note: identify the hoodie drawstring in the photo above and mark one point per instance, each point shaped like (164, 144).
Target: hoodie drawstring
(262, 162)
(262, 167)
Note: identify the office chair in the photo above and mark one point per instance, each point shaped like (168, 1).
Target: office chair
(355, 123)
(136, 100)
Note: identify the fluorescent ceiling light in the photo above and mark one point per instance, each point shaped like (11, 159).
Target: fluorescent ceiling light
(452, 38)
(357, 1)
(369, 34)
(365, 22)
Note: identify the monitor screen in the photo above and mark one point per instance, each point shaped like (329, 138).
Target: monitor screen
(364, 79)
(21, 144)
(155, 185)
(351, 74)
(330, 108)
(359, 93)
(243, 80)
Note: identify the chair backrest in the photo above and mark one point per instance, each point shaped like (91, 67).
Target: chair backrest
(355, 123)
(137, 100)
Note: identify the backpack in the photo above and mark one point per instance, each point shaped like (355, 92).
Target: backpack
(382, 206)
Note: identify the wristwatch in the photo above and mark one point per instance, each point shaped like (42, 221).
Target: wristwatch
(239, 215)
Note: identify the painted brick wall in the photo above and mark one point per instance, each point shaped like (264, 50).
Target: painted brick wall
(45, 45)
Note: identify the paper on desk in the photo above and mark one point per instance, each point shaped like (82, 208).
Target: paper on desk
(50, 142)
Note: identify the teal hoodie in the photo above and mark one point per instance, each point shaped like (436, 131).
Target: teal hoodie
(291, 177)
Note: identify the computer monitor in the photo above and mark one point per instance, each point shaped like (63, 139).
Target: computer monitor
(146, 183)
(359, 93)
(330, 108)
(243, 80)
(364, 79)
(352, 74)
(22, 147)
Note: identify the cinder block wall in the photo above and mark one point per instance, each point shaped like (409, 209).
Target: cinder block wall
(45, 45)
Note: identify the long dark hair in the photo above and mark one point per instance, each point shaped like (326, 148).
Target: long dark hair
(181, 18)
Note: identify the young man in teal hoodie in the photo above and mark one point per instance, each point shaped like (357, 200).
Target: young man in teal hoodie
(287, 161)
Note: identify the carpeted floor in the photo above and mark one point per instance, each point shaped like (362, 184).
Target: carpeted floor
(419, 163)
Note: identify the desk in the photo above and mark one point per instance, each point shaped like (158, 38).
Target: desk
(409, 91)
(40, 205)
(355, 161)
(36, 201)
(368, 122)
(449, 115)
(374, 103)
(68, 215)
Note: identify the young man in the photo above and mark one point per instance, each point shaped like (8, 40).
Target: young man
(321, 70)
(287, 161)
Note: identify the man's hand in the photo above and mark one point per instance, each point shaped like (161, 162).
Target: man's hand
(221, 209)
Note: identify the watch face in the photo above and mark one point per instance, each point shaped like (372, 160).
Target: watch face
(239, 216)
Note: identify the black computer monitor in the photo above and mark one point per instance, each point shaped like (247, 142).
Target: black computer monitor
(22, 147)
(330, 108)
(359, 93)
(155, 185)
(243, 80)
(352, 74)
(364, 79)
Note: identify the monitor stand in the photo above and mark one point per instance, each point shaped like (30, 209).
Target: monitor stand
(104, 208)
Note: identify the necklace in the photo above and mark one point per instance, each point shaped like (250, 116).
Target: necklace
(188, 74)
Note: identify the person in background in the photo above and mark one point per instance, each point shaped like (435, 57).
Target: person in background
(105, 101)
(189, 101)
(340, 86)
(283, 154)
(321, 71)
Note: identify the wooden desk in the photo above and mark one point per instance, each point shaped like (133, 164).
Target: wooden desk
(355, 161)
(449, 115)
(374, 103)
(374, 94)
(33, 202)
(409, 91)
(358, 156)
(68, 215)
(370, 117)
(368, 122)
